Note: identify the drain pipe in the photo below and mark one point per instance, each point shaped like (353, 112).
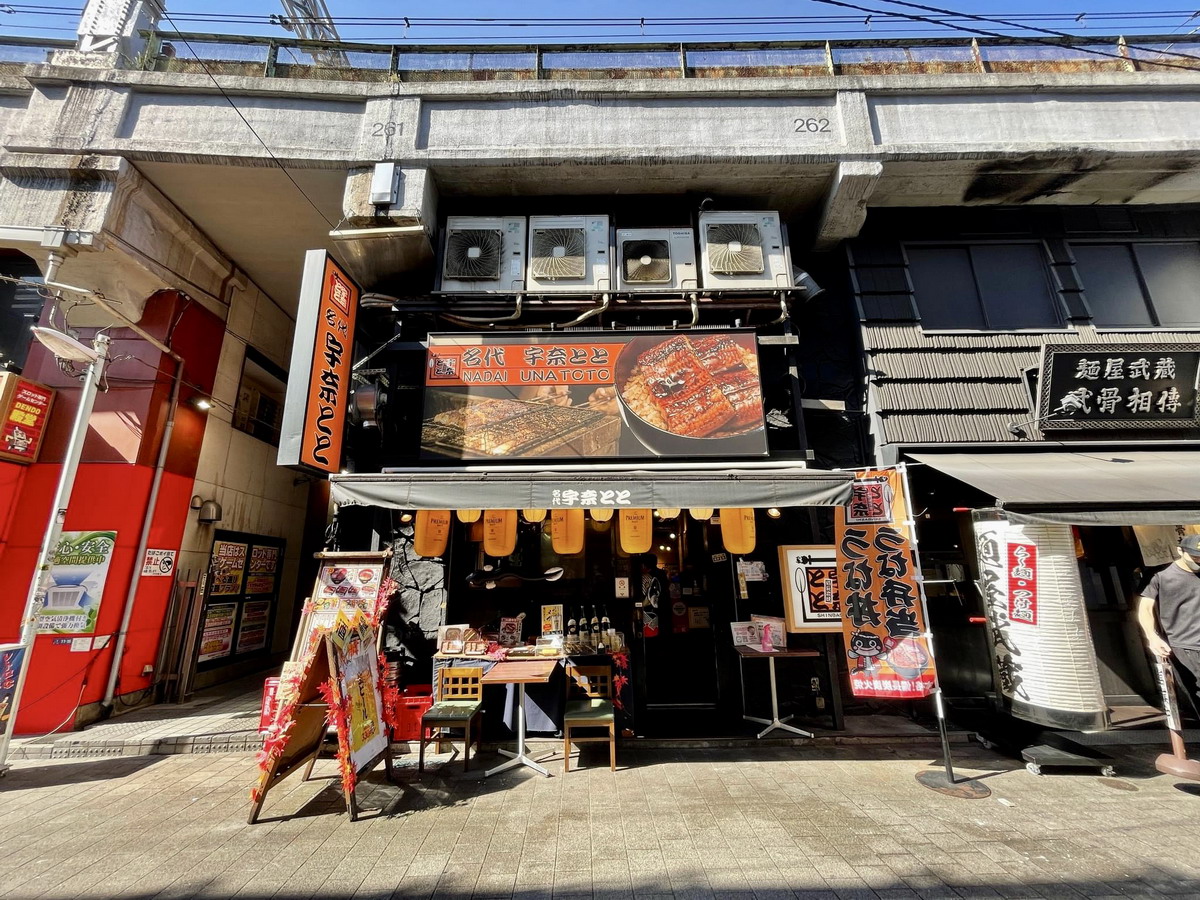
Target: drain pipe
(114, 665)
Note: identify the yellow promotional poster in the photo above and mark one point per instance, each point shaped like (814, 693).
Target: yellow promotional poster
(883, 618)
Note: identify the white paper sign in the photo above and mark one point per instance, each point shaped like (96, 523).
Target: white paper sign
(158, 563)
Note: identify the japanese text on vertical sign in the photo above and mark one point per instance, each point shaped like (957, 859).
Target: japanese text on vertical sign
(1022, 582)
(26, 409)
(883, 619)
(1005, 651)
(329, 382)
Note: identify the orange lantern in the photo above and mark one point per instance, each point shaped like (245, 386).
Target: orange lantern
(499, 532)
(533, 515)
(601, 513)
(431, 534)
(636, 530)
(566, 531)
(666, 513)
(737, 530)
(468, 515)
(475, 532)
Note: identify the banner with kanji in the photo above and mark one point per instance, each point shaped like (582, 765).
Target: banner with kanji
(883, 616)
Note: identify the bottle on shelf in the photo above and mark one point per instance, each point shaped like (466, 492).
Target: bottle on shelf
(595, 622)
(572, 628)
(605, 622)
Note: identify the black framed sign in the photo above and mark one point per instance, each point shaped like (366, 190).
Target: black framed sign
(1118, 386)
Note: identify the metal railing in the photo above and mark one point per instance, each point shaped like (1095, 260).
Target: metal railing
(17, 52)
(291, 58)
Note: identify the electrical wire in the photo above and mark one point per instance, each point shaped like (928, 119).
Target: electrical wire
(179, 36)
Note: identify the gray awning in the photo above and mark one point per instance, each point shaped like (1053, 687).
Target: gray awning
(1084, 487)
(644, 487)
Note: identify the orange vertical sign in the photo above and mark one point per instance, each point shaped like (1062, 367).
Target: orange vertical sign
(883, 616)
(315, 411)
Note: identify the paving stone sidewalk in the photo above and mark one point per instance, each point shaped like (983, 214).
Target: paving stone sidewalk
(752, 822)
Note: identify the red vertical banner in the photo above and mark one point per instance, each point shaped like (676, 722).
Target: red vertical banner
(1022, 571)
(883, 616)
(24, 411)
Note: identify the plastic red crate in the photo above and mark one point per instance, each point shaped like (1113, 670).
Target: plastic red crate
(409, 710)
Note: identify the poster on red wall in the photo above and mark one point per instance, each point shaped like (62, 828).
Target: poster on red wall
(24, 411)
(78, 570)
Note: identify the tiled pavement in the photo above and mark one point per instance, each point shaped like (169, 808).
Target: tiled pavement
(756, 821)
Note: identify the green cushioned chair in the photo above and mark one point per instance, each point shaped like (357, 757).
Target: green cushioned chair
(589, 705)
(460, 700)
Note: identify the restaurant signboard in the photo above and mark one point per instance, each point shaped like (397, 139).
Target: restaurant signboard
(593, 396)
(1118, 386)
(318, 393)
(883, 611)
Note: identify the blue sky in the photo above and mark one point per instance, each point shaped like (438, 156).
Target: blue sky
(58, 18)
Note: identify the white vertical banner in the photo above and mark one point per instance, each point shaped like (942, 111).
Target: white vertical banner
(1042, 650)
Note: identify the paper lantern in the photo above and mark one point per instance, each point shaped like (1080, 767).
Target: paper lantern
(635, 527)
(566, 531)
(533, 515)
(701, 513)
(431, 534)
(475, 531)
(601, 513)
(499, 532)
(469, 515)
(666, 513)
(737, 530)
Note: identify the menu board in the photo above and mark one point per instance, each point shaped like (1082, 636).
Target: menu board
(620, 395)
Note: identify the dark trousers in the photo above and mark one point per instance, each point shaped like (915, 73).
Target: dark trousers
(1187, 674)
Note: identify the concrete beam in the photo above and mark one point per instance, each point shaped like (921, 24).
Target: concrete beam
(845, 207)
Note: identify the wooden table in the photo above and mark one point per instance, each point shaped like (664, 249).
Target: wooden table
(520, 673)
(747, 652)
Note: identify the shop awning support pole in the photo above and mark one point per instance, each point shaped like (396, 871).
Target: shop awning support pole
(947, 784)
(40, 582)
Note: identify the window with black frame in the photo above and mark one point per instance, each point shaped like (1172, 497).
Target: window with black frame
(259, 408)
(992, 286)
(1140, 284)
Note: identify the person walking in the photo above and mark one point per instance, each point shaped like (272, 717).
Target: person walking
(1169, 615)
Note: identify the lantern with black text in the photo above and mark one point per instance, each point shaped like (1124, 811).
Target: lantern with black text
(499, 532)
(431, 533)
(635, 528)
(737, 530)
(566, 531)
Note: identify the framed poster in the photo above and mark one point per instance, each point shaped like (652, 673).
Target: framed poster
(810, 592)
(24, 411)
(216, 640)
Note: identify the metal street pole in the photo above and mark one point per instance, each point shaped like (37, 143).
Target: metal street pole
(58, 514)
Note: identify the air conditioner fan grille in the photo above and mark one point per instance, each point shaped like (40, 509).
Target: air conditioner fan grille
(735, 248)
(473, 253)
(646, 261)
(559, 253)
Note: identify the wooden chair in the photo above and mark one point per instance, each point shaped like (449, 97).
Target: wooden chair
(589, 705)
(460, 698)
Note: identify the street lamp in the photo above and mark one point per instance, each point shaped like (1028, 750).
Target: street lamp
(63, 346)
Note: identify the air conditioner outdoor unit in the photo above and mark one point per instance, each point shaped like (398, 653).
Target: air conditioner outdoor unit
(64, 596)
(743, 250)
(483, 255)
(656, 259)
(568, 254)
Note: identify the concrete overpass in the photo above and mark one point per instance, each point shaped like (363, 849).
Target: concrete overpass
(158, 180)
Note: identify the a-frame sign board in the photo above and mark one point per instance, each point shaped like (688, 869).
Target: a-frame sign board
(309, 714)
